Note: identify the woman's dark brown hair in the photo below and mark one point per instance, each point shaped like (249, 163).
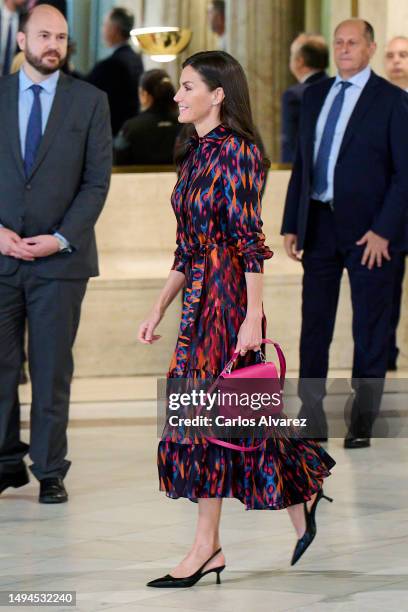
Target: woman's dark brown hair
(158, 84)
(220, 69)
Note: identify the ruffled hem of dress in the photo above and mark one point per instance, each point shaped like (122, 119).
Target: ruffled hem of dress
(286, 473)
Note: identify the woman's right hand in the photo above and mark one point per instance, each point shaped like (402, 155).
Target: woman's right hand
(147, 327)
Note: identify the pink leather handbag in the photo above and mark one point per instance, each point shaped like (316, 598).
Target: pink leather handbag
(268, 381)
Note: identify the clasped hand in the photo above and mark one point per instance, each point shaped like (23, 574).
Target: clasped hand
(27, 249)
(250, 334)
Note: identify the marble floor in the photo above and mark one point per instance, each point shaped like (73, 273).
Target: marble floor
(118, 531)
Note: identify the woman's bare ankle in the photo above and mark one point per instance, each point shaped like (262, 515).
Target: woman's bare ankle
(206, 548)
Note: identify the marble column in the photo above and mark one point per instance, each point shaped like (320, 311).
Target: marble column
(259, 34)
(313, 16)
(80, 18)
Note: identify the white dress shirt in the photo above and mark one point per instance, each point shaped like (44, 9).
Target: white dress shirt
(351, 97)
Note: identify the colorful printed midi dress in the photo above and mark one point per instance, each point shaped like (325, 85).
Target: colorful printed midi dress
(217, 204)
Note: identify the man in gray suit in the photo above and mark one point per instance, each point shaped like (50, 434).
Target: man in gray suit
(55, 152)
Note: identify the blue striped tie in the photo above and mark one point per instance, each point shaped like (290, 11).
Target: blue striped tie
(34, 130)
(322, 159)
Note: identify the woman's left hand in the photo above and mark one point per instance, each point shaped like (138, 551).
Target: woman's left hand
(250, 334)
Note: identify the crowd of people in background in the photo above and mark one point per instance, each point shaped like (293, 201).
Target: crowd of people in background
(121, 76)
(143, 113)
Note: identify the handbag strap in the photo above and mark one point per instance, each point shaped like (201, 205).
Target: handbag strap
(236, 446)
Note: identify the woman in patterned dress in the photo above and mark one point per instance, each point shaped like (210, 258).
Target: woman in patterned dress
(219, 263)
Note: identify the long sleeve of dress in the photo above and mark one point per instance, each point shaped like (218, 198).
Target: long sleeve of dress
(243, 178)
(181, 254)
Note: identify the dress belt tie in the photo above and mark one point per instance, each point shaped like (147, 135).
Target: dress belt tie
(198, 252)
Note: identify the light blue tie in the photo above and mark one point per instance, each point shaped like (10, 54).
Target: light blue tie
(322, 159)
(34, 130)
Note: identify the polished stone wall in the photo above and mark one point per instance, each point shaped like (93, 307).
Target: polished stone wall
(259, 34)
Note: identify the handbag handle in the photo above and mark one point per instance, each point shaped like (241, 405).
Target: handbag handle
(281, 357)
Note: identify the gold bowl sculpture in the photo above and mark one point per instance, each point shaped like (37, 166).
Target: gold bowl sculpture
(163, 44)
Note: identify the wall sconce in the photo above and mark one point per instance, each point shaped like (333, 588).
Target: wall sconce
(163, 44)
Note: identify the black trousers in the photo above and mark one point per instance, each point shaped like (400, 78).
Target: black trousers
(51, 308)
(371, 295)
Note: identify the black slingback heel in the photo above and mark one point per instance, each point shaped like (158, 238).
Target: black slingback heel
(169, 581)
(304, 542)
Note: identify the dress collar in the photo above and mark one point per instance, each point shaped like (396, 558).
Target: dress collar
(218, 134)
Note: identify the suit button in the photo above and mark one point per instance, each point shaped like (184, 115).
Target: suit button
(21, 217)
(28, 187)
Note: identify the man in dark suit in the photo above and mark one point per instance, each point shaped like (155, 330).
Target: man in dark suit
(396, 69)
(345, 208)
(309, 59)
(55, 151)
(119, 74)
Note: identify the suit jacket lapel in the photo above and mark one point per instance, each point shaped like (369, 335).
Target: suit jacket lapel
(58, 114)
(319, 97)
(320, 94)
(9, 116)
(363, 104)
